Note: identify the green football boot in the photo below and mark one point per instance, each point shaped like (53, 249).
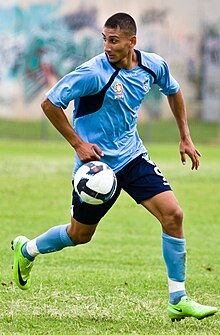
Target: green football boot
(189, 308)
(22, 266)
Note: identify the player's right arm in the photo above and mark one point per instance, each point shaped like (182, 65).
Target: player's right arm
(85, 151)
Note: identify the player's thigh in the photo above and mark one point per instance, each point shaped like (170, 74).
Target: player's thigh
(163, 206)
(91, 214)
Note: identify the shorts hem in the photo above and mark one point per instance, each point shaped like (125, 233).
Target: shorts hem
(153, 195)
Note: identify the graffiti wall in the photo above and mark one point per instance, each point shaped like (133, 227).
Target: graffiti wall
(210, 75)
(40, 47)
(43, 40)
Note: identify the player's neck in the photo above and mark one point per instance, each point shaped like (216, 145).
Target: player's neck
(130, 62)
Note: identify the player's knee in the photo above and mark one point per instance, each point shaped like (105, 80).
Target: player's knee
(178, 215)
(172, 223)
(174, 217)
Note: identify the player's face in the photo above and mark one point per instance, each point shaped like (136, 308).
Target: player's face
(118, 46)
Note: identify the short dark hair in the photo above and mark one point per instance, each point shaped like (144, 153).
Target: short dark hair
(122, 21)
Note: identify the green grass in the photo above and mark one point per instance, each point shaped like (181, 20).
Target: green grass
(166, 131)
(28, 130)
(151, 131)
(117, 283)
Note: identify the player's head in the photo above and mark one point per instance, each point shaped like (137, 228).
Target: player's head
(119, 35)
(122, 21)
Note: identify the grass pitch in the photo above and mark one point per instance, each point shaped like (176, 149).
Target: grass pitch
(117, 283)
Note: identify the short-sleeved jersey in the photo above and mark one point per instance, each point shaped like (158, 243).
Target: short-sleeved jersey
(107, 100)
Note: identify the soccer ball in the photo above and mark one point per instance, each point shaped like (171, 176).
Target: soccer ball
(95, 182)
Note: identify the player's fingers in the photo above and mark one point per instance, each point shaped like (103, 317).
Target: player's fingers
(97, 150)
(194, 165)
(95, 155)
(183, 157)
(198, 153)
(195, 162)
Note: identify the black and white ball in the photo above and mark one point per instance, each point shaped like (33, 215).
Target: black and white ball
(95, 182)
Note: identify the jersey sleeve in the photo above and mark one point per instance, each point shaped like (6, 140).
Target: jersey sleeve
(168, 85)
(80, 82)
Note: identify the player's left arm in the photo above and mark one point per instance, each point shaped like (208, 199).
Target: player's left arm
(186, 145)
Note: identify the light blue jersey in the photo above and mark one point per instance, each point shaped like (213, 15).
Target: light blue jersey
(107, 100)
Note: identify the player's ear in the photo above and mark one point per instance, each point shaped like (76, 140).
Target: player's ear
(133, 41)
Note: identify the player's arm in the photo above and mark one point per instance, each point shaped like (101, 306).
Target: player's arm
(85, 151)
(186, 145)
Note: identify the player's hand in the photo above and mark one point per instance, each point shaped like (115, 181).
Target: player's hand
(88, 152)
(187, 147)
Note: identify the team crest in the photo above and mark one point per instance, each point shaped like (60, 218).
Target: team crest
(146, 85)
(118, 88)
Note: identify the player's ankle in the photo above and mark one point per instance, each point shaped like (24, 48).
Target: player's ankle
(26, 254)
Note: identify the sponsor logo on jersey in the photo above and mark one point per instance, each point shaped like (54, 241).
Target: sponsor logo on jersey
(119, 91)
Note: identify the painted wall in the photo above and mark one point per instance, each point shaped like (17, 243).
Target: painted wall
(43, 40)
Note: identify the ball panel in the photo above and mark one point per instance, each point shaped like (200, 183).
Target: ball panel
(101, 182)
(95, 182)
(90, 200)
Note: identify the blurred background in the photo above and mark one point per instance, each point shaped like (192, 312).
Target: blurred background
(43, 40)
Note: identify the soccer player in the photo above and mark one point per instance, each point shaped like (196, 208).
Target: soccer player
(107, 91)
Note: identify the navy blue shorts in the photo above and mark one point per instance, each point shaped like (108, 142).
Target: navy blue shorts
(141, 179)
